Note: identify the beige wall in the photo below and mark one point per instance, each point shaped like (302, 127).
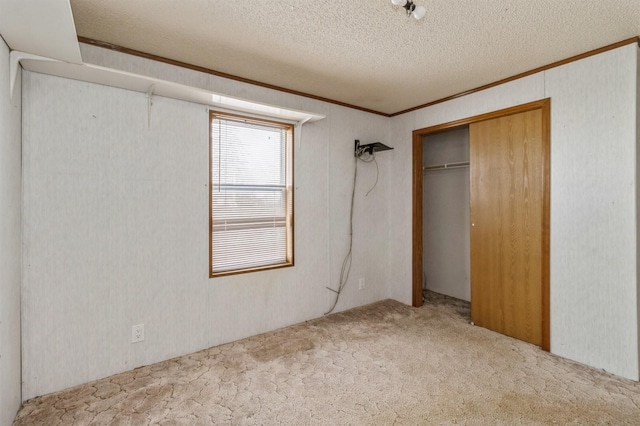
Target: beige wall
(594, 285)
(10, 243)
(113, 230)
(116, 225)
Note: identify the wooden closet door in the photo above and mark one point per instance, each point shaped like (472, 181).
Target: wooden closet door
(506, 213)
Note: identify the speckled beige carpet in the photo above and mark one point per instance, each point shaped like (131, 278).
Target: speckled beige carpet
(381, 364)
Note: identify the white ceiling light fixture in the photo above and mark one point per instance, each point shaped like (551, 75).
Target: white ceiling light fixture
(417, 12)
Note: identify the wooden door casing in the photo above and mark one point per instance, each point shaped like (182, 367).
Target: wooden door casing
(544, 106)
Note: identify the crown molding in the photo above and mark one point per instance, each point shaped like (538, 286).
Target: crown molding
(138, 53)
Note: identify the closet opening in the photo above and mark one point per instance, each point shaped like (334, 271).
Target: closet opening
(445, 209)
(481, 213)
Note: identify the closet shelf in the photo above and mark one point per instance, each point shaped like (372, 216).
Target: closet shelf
(446, 166)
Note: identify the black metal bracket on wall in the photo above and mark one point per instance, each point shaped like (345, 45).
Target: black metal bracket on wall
(370, 148)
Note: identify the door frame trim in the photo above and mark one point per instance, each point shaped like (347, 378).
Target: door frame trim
(545, 106)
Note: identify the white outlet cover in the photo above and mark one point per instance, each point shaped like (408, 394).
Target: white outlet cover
(137, 333)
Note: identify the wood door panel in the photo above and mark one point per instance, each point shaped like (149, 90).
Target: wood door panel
(506, 212)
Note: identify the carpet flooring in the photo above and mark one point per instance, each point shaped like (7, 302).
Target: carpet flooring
(380, 364)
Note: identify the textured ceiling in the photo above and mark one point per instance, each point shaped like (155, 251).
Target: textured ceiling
(362, 52)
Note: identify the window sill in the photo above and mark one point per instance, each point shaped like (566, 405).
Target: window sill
(245, 271)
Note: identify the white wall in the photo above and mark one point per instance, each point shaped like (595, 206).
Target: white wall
(116, 223)
(445, 202)
(594, 316)
(10, 243)
(594, 312)
(638, 194)
(115, 234)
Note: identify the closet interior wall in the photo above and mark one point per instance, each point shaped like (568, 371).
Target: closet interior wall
(446, 248)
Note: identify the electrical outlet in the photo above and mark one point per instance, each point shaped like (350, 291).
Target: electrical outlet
(137, 333)
(361, 284)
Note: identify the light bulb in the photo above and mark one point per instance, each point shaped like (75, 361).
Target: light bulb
(419, 12)
(399, 2)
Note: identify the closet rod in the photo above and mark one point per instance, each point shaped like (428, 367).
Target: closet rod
(446, 166)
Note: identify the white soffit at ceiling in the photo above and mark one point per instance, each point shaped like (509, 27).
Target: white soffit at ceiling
(154, 86)
(40, 27)
(42, 37)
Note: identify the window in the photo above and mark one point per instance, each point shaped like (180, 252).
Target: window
(251, 198)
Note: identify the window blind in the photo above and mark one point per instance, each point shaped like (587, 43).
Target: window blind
(251, 194)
